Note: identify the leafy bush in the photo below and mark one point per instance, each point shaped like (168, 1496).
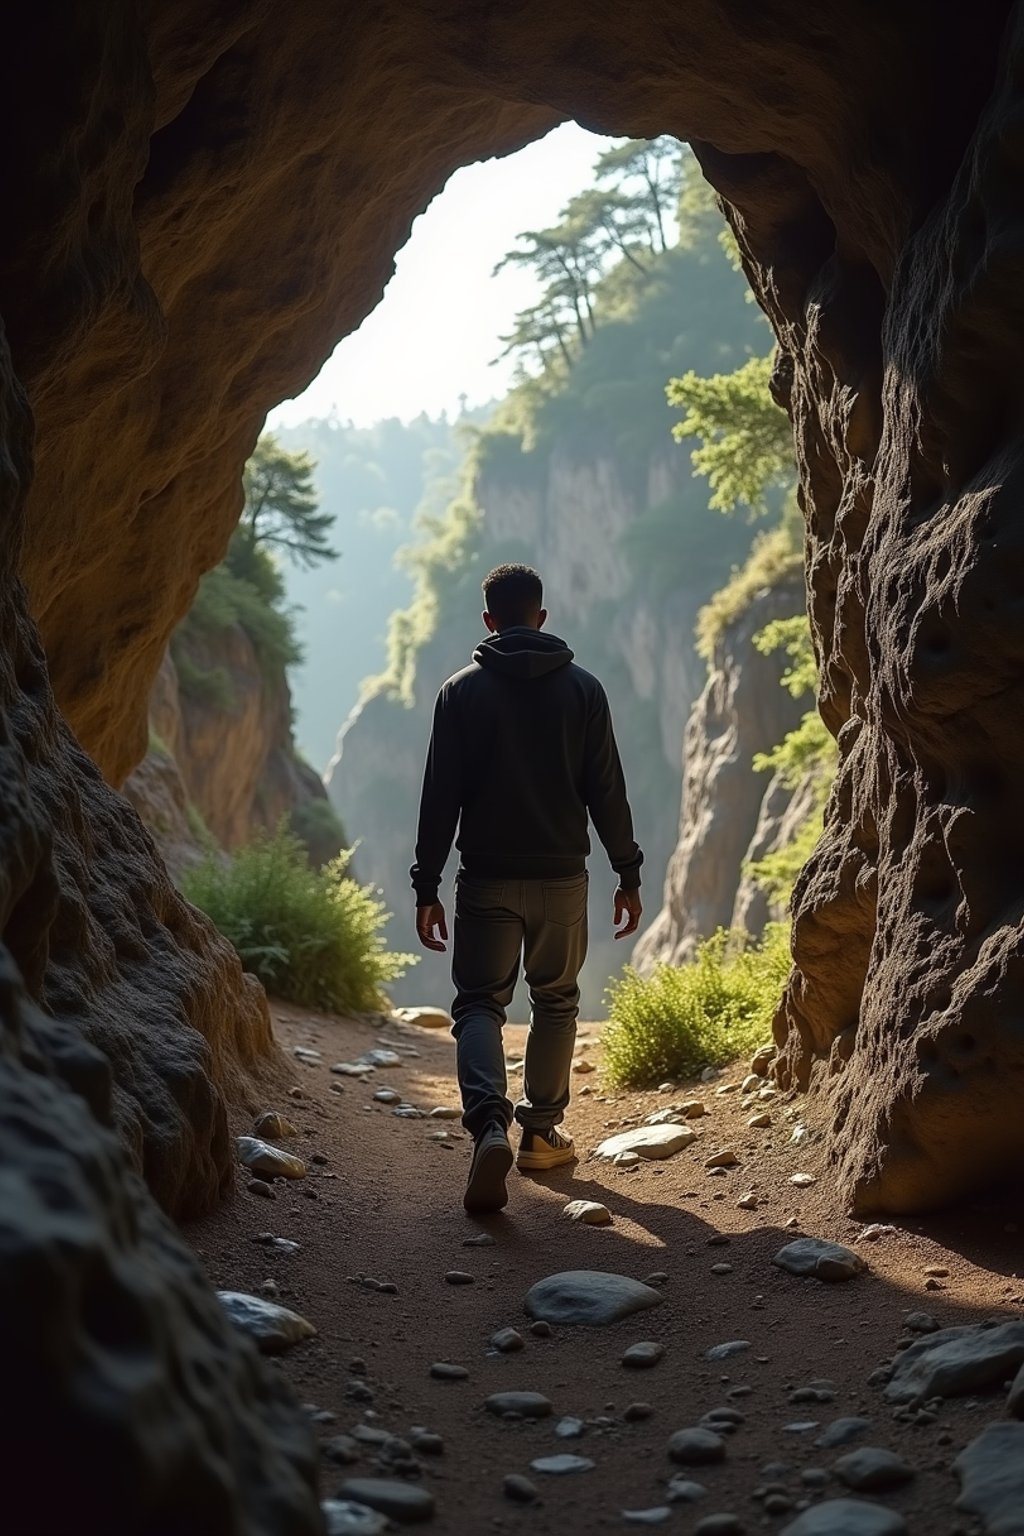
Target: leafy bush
(311, 936)
(775, 558)
(704, 1014)
(224, 598)
(204, 685)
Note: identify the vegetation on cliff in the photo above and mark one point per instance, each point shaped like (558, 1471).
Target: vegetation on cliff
(313, 937)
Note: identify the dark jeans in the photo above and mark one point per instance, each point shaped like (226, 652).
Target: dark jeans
(496, 921)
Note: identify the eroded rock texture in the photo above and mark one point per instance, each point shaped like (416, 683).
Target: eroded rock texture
(114, 1348)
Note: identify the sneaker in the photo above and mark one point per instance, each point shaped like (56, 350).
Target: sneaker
(540, 1150)
(492, 1159)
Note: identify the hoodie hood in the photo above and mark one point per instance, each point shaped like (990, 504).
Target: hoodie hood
(522, 652)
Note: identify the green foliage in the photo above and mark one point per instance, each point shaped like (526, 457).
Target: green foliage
(703, 1014)
(207, 686)
(224, 599)
(773, 560)
(311, 936)
(282, 508)
(746, 440)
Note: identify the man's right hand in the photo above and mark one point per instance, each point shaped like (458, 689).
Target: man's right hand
(427, 920)
(628, 911)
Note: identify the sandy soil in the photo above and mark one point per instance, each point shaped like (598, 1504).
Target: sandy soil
(386, 1202)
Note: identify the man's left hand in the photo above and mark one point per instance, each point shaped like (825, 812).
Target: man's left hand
(429, 919)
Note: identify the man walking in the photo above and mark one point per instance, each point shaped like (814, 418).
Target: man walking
(520, 751)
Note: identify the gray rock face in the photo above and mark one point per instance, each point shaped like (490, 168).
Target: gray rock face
(991, 1473)
(650, 1141)
(269, 1162)
(957, 1361)
(813, 1256)
(408, 1503)
(841, 1432)
(1015, 1401)
(272, 1328)
(588, 1298)
(696, 1447)
(871, 1469)
(847, 1517)
(526, 1405)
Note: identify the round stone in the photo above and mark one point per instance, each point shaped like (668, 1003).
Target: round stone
(649, 1141)
(588, 1297)
(590, 1212)
(719, 1525)
(871, 1469)
(847, 1517)
(458, 1277)
(268, 1161)
(559, 1466)
(273, 1125)
(525, 1405)
(519, 1489)
(441, 1370)
(271, 1327)
(641, 1356)
(406, 1503)
(813, 1256)
(696, 1447)
(344, 1518)
(507, 1341)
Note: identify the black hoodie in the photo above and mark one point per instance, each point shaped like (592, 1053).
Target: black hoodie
(521, 749)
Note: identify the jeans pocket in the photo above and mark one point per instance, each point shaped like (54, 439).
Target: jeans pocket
(476, 896)
(565, 901)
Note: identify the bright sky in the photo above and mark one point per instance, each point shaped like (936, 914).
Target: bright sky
(435, 332)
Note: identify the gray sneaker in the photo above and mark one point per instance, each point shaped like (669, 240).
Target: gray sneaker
(492, 1162)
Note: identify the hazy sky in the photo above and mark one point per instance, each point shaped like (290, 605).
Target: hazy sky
(436, 329)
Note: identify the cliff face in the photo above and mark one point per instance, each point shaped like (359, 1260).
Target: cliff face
(569, 517)
(231, 755)
(202, 202)
(730, 814)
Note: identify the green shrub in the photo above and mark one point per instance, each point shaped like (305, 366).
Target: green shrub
(704, 1014)
(318, 827)
(311, 936)
(209, 686)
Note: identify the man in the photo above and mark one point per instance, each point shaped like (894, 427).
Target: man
(521, 750)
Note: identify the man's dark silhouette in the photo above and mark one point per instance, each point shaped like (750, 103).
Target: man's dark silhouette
(521, 750)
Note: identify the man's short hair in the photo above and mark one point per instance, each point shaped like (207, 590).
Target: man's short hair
(513, 594)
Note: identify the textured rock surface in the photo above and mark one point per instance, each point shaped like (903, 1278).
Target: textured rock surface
(991, 1473)
(743, 710)
(957, 1361)
(109, 1333)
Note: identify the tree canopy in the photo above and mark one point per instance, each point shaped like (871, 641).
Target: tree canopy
(746, 447)
(282, 509)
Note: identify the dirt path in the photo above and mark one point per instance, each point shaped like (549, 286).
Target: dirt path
(388, 1205)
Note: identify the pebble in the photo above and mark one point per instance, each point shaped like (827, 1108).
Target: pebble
(588, 1297)
(847, 1517)
(426, 1441)
(728, 1350)
(719, 1525)
(423, 1018)
(991, 1474)
(762, 1060)
(590, 1212)
(636, 1413)
(351, 1069)
(407, 1503)
(407, 1112)
(341, 1448)
(656, 1516)
(721, 1269)
(937, 1271)
(519, 1489)
(800, 1427)
(260, 1157)
(696, 1447)
(271, 1124)
(841, 1432)
(814, 1477)
(747, 1202)
(342, 1517)
(526, 1405)
(445, 1112)
(507, 1340)
(296, 1093)
(871, 1469)
(570, 1429)
(957, 1361)
(709, 1074)
(581, 1064)
(666, 1088)
(682, 1491)
(726, 1158)
(920, 1322)
(459, 1277)
(626, 1160)
(693, 1109)
(272, 1328)
(558, 1466)
(760, 1121)
(874, 1230)
(442, 1370)
(722, 1421)
(540, 1329)
(380, 1056)
(670, 1116)
(727, 1088)
(388, 1096)
(657, 1277)
(813, 1256)
(641, 1356)
(481, 1240)
(648, 1141)
(261, 1187)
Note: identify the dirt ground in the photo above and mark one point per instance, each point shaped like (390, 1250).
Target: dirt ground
(386, 1203)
